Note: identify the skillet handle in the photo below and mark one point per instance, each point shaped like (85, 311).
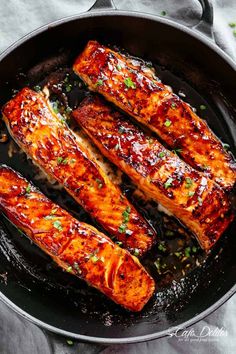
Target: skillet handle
(206, 23)
(103, 5)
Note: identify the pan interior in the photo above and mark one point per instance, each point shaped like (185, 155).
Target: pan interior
(27, 276)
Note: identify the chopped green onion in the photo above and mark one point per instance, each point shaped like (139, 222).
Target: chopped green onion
(57, 225)
(129, 83)
(189, 182)
(173, 105)
(28, 189)
(136, 252)
(232, 24)
(161, 154)
(162, 247)
(187, 252)
(167, 123)
(190, 194)
(69, 342)
(99, 83)
(168, 183)
(118, 67)
(122, 228)
(202, 107)
(169, 233)
(99, 182)
(69, 269)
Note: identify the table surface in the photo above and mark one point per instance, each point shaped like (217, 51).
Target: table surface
(18, 336)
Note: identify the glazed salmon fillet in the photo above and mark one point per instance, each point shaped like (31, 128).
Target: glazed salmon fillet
(136, 90)
(76, 247)
(56, 149)
(197, 201)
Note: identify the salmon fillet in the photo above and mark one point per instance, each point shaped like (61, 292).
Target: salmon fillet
(195, 200)
(53, 146)
(136, 90)
(76, 247)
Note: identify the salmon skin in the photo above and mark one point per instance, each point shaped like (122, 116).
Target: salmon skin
(195, 200)
(135, 89)
(76, 247)
(54, 147)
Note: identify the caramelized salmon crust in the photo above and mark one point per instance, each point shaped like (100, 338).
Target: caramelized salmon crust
(194, 199)
(135, 89)
(76, 247)
(54, 147)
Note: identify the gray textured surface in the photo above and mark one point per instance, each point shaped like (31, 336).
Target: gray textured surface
(18, 336)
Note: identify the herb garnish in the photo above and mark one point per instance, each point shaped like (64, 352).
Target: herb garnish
(129, 83)
(28, 189)
(37, 88)
(189, 182)
(177, 151)
(99, 83)
(69, 342)
(126, 215)
(136, 252)
(118, 67)
(173, 105)
(60, 160)
(57, 225)
(202, 107)
(168, 183)
(199, 201)
(69, 269)
(162, 247)
(161, 154)
(167, 123)
(99, 182)
(232, 24)
(191, 194)
(226, 146)
(187, 252)
(169, 233)
(119, 243)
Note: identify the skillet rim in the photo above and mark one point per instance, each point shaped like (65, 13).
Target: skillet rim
(210, 44)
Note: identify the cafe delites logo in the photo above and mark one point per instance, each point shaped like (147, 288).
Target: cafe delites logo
(204, 334)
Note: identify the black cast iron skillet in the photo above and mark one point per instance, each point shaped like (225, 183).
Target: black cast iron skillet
(188, 61)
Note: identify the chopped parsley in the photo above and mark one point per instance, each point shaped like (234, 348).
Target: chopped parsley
(99, 182)
(162, 154)
(57, 225)
(188, 182)
(129, 83)
(202, 107)
(168, 183)
(136, 252)
(99, 83)
(167, 123)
